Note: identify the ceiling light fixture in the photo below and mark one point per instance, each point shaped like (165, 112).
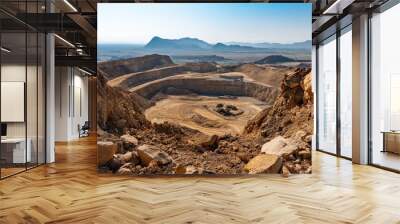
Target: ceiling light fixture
(86, 72)
(70, 5)
(337, 7)
(64, 40)
(5, 50)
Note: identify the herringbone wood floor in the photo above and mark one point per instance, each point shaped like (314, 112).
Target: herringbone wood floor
(71, 191)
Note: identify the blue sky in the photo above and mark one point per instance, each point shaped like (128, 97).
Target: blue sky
(137, 23)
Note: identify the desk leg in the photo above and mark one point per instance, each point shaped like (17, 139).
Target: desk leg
(384, 142)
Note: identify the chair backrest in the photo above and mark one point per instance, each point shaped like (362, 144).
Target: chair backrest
(86, 125)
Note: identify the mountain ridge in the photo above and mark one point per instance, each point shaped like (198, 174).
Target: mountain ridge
(190, 43)
(297, 45)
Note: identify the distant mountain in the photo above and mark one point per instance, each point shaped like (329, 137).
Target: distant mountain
(187, 43)
(297, 45)
(275, 59)
(182, 43)
(233, 47)
(201, 58)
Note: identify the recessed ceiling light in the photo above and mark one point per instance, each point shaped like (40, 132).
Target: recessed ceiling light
(86, 72)
(338, 6)
(70, 5)
(5, 50)
(64, 40)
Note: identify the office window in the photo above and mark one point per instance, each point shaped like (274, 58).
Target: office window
(327, 95)
(346, 92)
(385, 89)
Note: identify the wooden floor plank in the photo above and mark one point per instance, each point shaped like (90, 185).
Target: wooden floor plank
(71, 191)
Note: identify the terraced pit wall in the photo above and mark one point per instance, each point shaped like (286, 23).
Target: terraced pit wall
(213, 87)
(131, 80)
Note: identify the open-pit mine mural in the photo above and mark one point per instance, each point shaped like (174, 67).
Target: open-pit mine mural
(204, 89)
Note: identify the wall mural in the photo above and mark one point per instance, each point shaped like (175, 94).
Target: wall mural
(204, 89)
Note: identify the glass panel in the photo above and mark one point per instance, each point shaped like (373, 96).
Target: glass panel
(13, 87)
(385, 84)
(327, 96)
(23, 91)
(346, 94)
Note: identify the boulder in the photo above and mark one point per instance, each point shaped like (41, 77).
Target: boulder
(105, 152)
(307, 87)
(308, 139)
(297, 168)
(153, 167)
(121, 123)
(124, 171)
(209, 145)
(244, 157)
(279, 146)
(191, 170)
(305, 154)
(114, 164)
(129, 141)
(185, 170)
(309, 170)
(127, 165)
(264, 163)
(180, 169)
(285, 171)
(129, 157)
(300, 135)
(147, 153)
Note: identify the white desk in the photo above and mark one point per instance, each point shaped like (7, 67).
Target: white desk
(19, 155)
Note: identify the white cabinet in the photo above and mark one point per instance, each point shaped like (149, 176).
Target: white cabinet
(17, 146)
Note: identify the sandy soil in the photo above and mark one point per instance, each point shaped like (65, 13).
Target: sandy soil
(197, 112)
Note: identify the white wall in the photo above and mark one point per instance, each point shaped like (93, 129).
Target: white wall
(14, 73)
(71, 102)
(33, 127)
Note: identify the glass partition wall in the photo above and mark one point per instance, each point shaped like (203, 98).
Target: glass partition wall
(385, 89)
(334, 94)
(22, 98)
(327, 96)
(345, 91)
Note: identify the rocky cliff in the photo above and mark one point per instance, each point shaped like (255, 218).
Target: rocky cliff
(286, 128)
(291, 112)
(119, 110)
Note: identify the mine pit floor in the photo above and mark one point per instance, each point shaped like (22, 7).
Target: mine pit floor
(197, 112)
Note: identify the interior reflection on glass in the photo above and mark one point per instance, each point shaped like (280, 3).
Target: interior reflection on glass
(327, 96)
(385, 89)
